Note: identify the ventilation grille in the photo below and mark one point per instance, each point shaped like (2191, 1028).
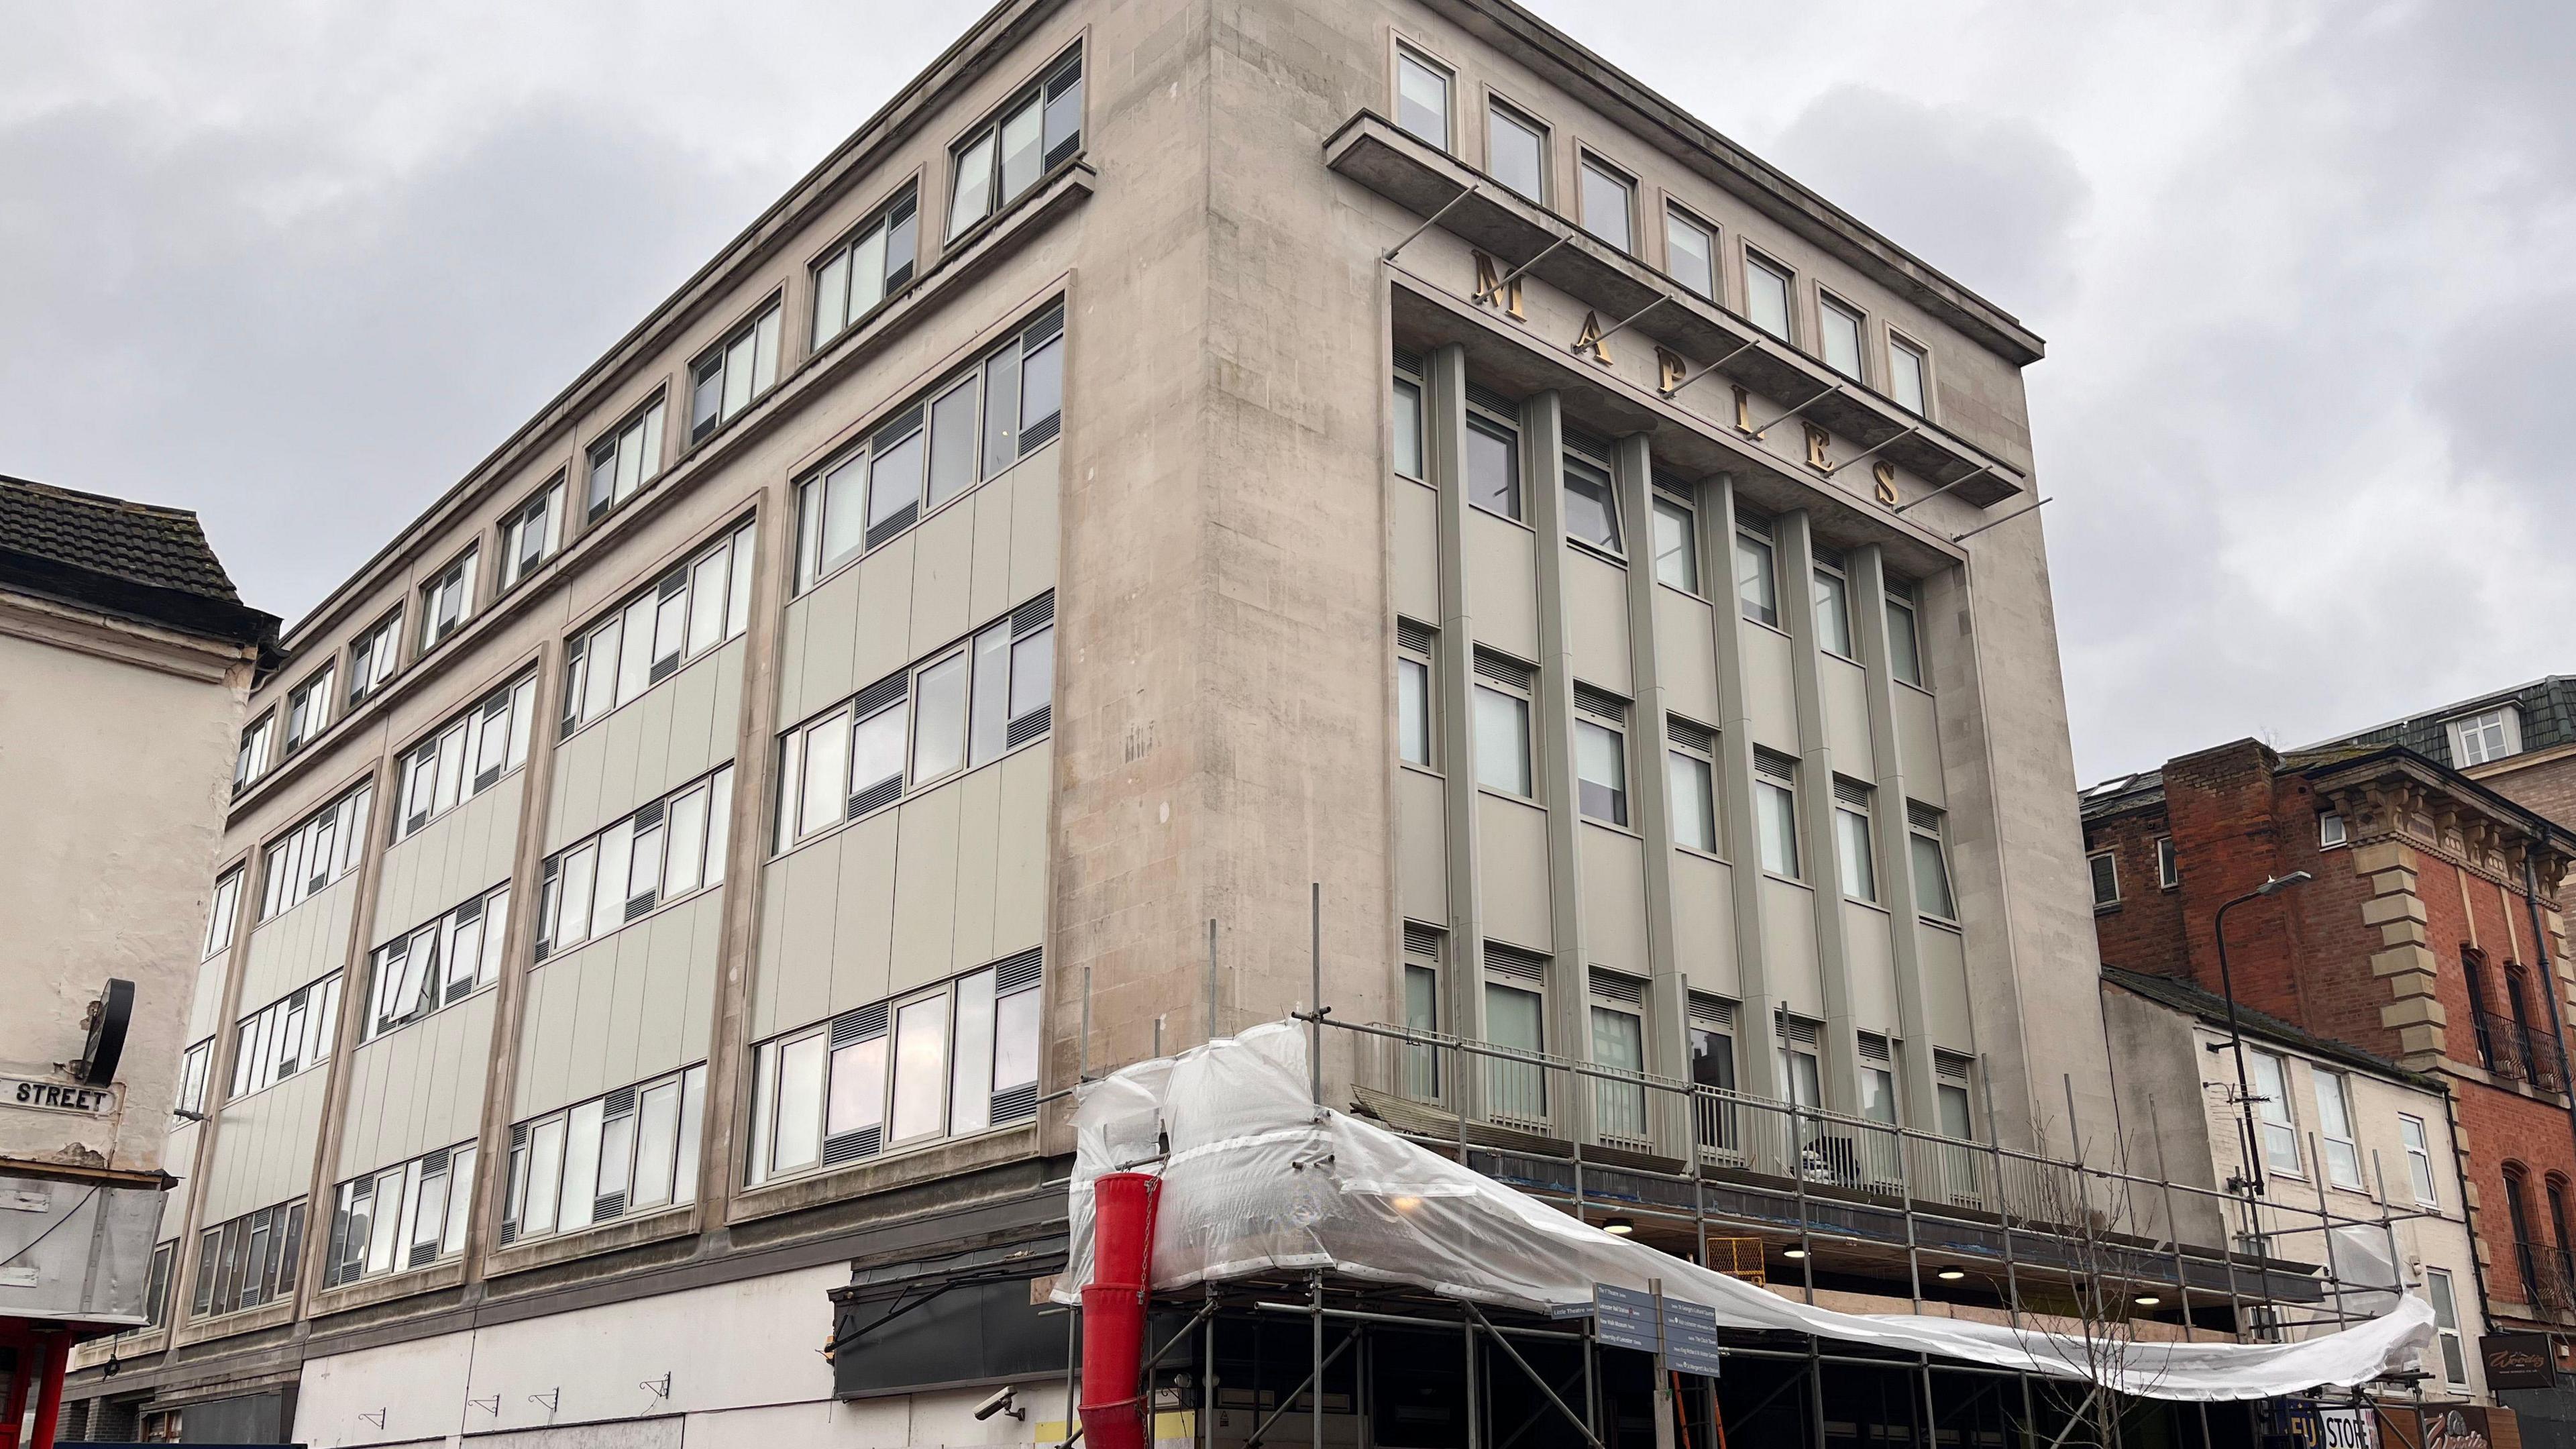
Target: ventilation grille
(1048, 324)
(859, 1025)
(1831, 558)
(881, 694)
(606, 1206)
(1774, 764)
(1587, 445)
(457, 991)
(1413, 636)
(1013, 972)
(851, 1146)
(1040, 432)
(1873, 1048)
(519, 1135)
(1016, 1104)
(618, 1104)
(1950, 1066)
(1421, 940)
(1798, 1031)
(1408, 362)
(1690, 736)
(642, 905)
(1612, 986)
(893, 523)
(1599, 702)
(1851, 792)
(1511, 961)
(648, 817)
(1479, 395)
(1029, 726)
(1034, 614)
(1504, 671)
(1753, 523)
(422, 1255)
(1676, 490)
(509, 1231)
(876, 796)
(435, 1162)
(1922, 817)
(1714, 1011)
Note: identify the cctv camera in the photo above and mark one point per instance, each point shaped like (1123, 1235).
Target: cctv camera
(1001, 1403)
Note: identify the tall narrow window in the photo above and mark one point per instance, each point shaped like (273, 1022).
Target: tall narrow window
(1690, 780)
(1676, 545)
(1690, 253)
(1833, 613)
(2446, 1324)
(1756, 587)
(1413, 693)
(2105, 866)
(1931, 864)
(531, 534)
(308, 708)
(1601, 771)
(1907, 371)
(625, 460)
(221, 914)
(1609, 205)
(1618, 1044)
(445, 601)
(1775, 811)
(1408, 429)
(1422, 1009)
(1516, 151)
(1422, 98)
(2278, 1128)
(1712, 1068)
(1502, 741)
(1838, 330)
(1766, 295)
(1515, 1019)
(875, 262)
(250, 761)
(2335, 1131)
(2168, 871)
(1904, 646)
(1855, 862)
(725, 379)
(1493, 467)
(1591, 508)
(1800, 1071)
(371, 659)
(1037, 131)
(2419, 1160)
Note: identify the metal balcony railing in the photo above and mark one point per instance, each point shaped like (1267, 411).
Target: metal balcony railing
(2549, 1274)
(2509, 1049)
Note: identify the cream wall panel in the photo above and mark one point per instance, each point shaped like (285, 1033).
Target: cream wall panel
(1502, 584)
(1614, 899)
(1511, 844)
(418, 1088)
(988, 590)
(1704, 924)
(1020, 879)
(1034, 539)
(264, 1154)
(797, 956)
(1846, 694)
(925, 885)
(1869, 959)
(858, 897)
(304, 944)
(1416, 520)
(179, 1159)
(1918, 746)
(943, 561)
(1596, 620)
(634, 1004)
(465, 851)
(206, 1002)
(671, 734)
(1789, 946)
(1770, 692)
(814, 646)
(1945, 988)
(979, 830)
(884, 645)
(1686, 656)
(1421, 846)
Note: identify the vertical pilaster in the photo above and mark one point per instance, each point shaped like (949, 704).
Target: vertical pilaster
(1649, 802)
(1552, 744)
(1761, 996)
(1865, 574)
(1796, 562)
(1444, 436)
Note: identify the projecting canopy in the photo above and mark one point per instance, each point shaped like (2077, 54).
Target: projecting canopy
(1260, 1180)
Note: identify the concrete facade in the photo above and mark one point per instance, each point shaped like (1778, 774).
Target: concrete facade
(1207, 553)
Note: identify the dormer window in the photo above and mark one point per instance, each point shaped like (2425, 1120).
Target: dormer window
(2480, 738)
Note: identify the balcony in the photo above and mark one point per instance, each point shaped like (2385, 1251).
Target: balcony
(2549, 1275)
(2511, 1050)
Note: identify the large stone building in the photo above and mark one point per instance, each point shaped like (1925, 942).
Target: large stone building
(1172, 454)
(125, 659)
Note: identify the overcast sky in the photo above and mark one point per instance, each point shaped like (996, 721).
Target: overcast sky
(2304, 271)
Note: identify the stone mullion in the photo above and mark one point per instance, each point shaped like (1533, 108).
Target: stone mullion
(1552, 705)
(1444, 434)
(1758, 1059)
(1865, 576)
(1795, 566)
(1668, 1009)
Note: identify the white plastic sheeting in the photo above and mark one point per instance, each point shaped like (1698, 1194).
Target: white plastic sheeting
(1258, 1180)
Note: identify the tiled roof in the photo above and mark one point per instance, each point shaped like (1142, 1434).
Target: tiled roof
(127, 558)
(2547, 708)
(2121, 793)
(2186, 997)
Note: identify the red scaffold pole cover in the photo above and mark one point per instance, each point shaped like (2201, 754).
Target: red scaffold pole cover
(1113, 1309)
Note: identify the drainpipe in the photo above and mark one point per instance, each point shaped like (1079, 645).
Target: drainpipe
(1113, 1308)
(2548, 974)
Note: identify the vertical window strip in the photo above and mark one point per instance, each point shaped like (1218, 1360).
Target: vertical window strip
(729, 376)
(447, 601)
(372, 658)
(697, 606)
(436, 964)
(666, 850)
(625, 460)
(249, 1260)
(1035, 132)
(291, 1034)
(402, 1217)
(329, 844)
(531, 534)
(466, 757)
(873, 264)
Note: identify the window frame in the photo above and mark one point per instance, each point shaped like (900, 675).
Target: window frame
(1829, 306)
(2506, 722)
(1756, 543)
(733, 549)
(1405, 396)
(1779, 849)
(1572, 460)
(599, 1116)
(1406, 48)
(502, 701)
(1034, 95)
(1423, 662)
(486, 914)
(542, 511)
(457, 1173)
(1499, 108)
(648, 420)
(1664, 506)
(1678, 749)
(2419, 1154)
(1830, 582)
(381, 664)
(1676, 214)
(1856, 841)
(315, 688)
(1938, 835)
(1589, 163)
(459, 576)
(1592, 724)
(2335, 1099)
(1525, 697)
(338, 828)
(2094, 860)
(254, 757)
(2342, 832)
(1757, 260)
(2282, 1128)
(1894, 602)
(310, 1013)
(885, 221)
(621, 843)
(765, 332)
(2444, 1296)
(1486, 423)
(1898, 343)
(2168, 866)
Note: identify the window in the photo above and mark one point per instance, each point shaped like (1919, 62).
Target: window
(1516, 151)
(1516, 1020)
(2168, 871)
(2279, 1130)
(447, 601)
(1766, 295)
(531, 534)
(1413, 692)
(2334, 1130)
(1878, 1086)
(1609, 205)
(156, 1293)
(934, 450)
(955, 1060)
(1907, 368)
(1931, 865)
(1799, 1073)
(285, 1037)
(1619, 1044)
(326, 846)
(698, 605)
(1493, 466)
(1503, 724)
(1421, 98)
(402, 1217)
(1857, 866)
(1676, 544)
(2419, 1160)
(1601, 758)
(467, 757)
(1591, 508)
(431, 966)
(1775, 811)
(220, 916)
(627, 459)
(1755, 584)
(2517, 1203)
(964, 706)
(862, 271)
(1038, 131)
(1421, 1009)
(669, 849)
(371, 659)
(596, 1161)
(1950, 1084)
(249, 1260)
(2483, 737)
(733, 372)
(2446, 1324)
(251, 761)
(308, 708)
(193, 1067)
(1408, 429)
(2330, 832)
(1839, 332)
(1690, 781)
(2106, 878)
(1833, 613)
(1690, 253)
(1904, 646)
(1712, 1066)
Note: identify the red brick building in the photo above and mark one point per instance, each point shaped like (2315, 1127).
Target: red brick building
(2419, 939)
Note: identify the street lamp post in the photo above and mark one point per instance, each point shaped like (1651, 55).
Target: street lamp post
(2235, 1031)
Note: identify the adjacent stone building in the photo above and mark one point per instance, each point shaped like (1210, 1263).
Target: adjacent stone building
(2521, 742)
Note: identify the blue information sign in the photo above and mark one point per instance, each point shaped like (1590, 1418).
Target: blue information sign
(1684, 1333)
